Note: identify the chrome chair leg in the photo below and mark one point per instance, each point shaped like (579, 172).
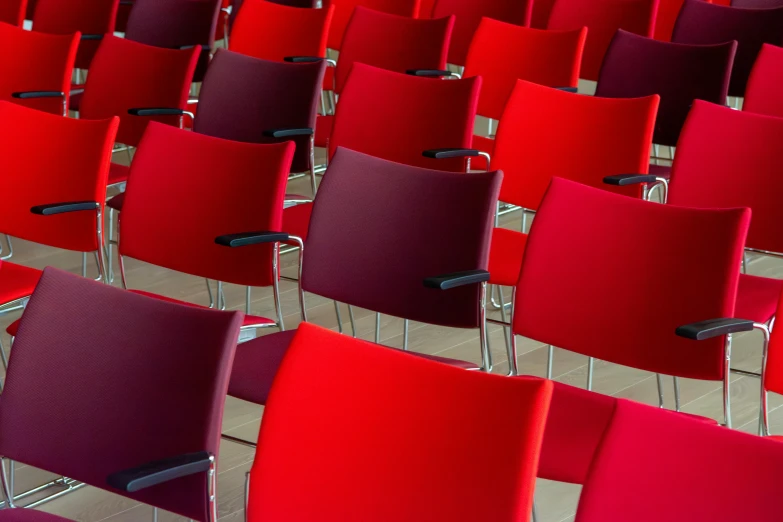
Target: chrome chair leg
(3, 355)
(154, 514)
(377, 328)
(339, 316)
(534, 515)
(590, 368)
(550, 361)
(677, 404)
(405, 326)
(492, 297)
(659, 379)
(110, 254)
(352, 319)
(503, 316)
(84, 264)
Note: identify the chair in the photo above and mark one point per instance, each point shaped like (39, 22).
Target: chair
(176, 24)
(396, 205)
(148, 376)
(123, 13)
(704, 23)
(271, 31)
(762, 95)
(469, 15)
(666, 17)
(376, 461)
(343, 10)
(655, 465)
(757, 4)
(602, 18)
(37, 68)
(13, 12)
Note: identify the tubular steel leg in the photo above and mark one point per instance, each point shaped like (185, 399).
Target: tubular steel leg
(405, 325)
(550, 361)
(659, 379)
(590, 368)
(84, 264)
(353, 320)
(377, 328)
(506, 330)
(339, 316)
(677, 404)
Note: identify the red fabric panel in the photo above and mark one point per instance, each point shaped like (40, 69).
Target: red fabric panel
(16, 281)
(505, 256)
(763, 93)
(296, 220)
(249, 320)
(757, 297)
(13, 12)
(343, 10)
(358, 434)
(668, 11)
(774, 377)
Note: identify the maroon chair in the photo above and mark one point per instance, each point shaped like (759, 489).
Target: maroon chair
(705, 23)
(368, 216)
(141, 387)
(757, 4)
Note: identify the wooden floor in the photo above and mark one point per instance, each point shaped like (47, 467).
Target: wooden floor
(556, 502)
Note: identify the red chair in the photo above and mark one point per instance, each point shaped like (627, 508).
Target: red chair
(602, 18)
(762, 95)
(372, 462)
(668, 11)
(37, 68)
(13, 12)
(656, 465)
(148, 376)
(343, 10)
(469, 15)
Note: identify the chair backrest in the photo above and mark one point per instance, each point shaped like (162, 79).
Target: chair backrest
(34, 61)
(13, 12)
(185, 189)
(602, 18)
(732, 159)
(660, 465)
(72, 166)
(679, 73)
(429, 212)
(469, 14)
(357, 446)
(773, 378)
(270, 31)
(594, 245)
(173, 24)
(668, 11)
(123, 13)
(503, 53)
(242, 97)
(92, 17)
(763, 95)
(546, 133)
(701, 22)
(137, 380)
(397, 117)
(757, 4)
(392, 42)
(126, 75)
(343, 10)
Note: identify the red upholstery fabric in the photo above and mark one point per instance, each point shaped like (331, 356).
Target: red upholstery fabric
(73, 166)
(126, 75)
(75, 100)
(602, 18)
(296, 219)
(16, 281)
(657, 465)
(757, 297)
(343, 10)
(594, 245)
(425, 115)
(469, 15)
(663, 171)
(250, 320)
(392, 42)
(323, 130)
(542, 10)
(668, 10)
(53, 57)
(29, 515)
(762, 95)
(358, 434)
(222, 187)
(505, 256)
(118, 173)
(13, 11)
(546, 133)
(84, 16)
(149, 377)
(272, 32)
(774, 375)
(502, 53)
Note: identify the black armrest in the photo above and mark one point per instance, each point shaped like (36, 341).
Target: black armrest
(457, 279)
(287, 133)
(568, 89)
(157, 111)
(203, 47)
(86, 37)
(28, 95)
(62, 208)
(251, 238)
(303, 59)
(624, 180)
(160, 471)
(714, 328)
(429, 73)
(451, 153)
(127, 2)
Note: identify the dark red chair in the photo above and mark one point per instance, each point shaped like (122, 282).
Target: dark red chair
(395, 205)
(757, 4)
(762, 95)
(148, 376)
(13, 12)
(30, 9)
(37, 68)
(372, 461)
(469, 14)
(343, 10)
(602, 18)
(123, 13)
(656, 465)
(705, 23)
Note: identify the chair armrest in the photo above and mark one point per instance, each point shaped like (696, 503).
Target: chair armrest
(451, 153)
(251, 238)
(568, 89)
(86, 37)
(431, 73)
(624, 180)
(309, 59)
(287, 133)
(127, 2)
(28, 95)
(203, 47)
(157, 111)
(160, 471)
(457, 279)
(709, 329)
(61, 208)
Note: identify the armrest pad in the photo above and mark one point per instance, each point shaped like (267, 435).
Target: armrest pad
(624, 180)
(27, 95)
(92, 37)
(251, 238)
(457, 279)
(303, 59)
(568, 89)
(287, 133)
(429, 73)
(203, 47)
(160, 471)
(714, 328)
(156, 111)
(61, 208)
(451, 153)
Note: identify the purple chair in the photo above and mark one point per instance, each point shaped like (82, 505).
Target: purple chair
(703, 23)
(757, 4)
(176, 24)
(369, 216)
(118, 391)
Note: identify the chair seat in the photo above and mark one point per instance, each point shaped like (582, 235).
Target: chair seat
(296, 220)
(776, 438)
(662, 171)
(118, 174)
(505, 256)
(29, 515)
(757, 297)
(323, 130)
(75, 100)
(17, 281)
